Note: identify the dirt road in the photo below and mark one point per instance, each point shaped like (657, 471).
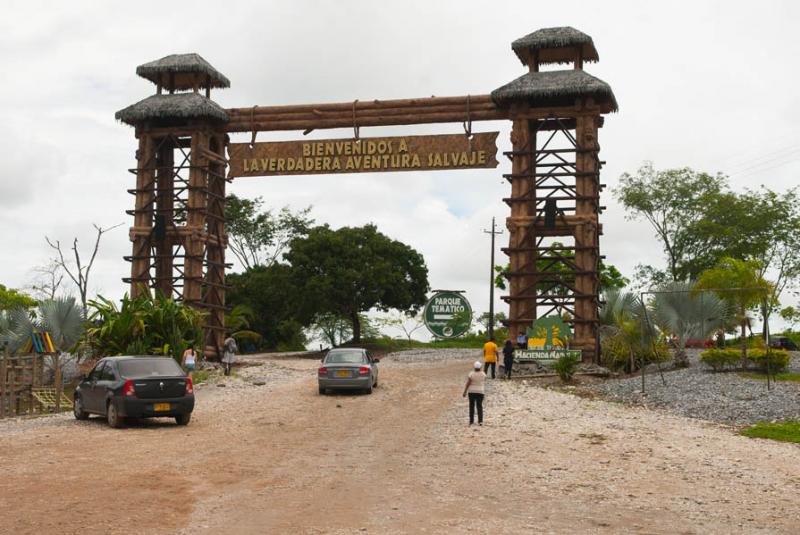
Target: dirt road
(279, 458)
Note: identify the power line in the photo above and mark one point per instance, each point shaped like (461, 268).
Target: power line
(754, 164)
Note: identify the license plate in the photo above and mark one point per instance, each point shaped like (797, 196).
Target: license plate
(343, 373)
(160, 407)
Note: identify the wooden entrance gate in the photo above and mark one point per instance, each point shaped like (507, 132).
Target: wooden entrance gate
(179, 236)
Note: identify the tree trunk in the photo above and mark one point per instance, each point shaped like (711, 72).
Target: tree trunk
(58, 381)
(681, 358)
(356, 326)
(744, 337)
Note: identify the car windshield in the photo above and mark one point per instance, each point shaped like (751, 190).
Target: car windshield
(149, 367)
(345, 357)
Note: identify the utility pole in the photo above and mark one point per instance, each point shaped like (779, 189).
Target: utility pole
(491, 280)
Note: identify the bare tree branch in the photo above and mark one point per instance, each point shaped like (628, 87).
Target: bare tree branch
(47, 280)
(80, 273)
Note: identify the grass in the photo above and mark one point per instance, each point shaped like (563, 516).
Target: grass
(203, 376)
(793, 377)
(784, 432)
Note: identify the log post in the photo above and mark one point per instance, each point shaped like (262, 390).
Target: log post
(13, 402)
(523, 165)
(143, 215)
(58, 380)
(587, 257)
(214, 282)
(3, 383)
(194, 240)
(164, 218)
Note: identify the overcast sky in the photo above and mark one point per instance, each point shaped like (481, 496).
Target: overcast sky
(709, 85)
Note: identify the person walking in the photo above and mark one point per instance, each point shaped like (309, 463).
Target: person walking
(476, 382)
(508, 357)
(229, 351)
(490, 356)
(189, 361)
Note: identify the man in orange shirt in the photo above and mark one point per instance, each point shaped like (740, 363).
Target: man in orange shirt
(489, 356)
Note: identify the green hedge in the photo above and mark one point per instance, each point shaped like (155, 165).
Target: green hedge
(720, 359)
(778, 359)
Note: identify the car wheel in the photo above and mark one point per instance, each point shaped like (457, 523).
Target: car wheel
(113, 417)
(321, 391)
(368, 390)
(77, 409)
(183, 419)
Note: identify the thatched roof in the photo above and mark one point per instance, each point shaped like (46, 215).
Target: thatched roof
(555, 88)
(179, 106)
(555, 45)
(179, 71)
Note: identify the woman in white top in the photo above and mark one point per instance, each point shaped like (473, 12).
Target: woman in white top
(475, 388)
(189, 360)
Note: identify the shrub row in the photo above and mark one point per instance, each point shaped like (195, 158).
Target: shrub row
(721, 359)
(778, 359)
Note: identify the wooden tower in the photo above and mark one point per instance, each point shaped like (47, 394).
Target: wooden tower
(554, 224)
(178, 230)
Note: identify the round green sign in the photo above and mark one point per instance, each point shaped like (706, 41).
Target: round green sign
(448, 315)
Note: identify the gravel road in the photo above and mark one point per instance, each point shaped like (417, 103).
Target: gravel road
(278, 458)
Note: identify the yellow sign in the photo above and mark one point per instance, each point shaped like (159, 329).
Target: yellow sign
(405, 153)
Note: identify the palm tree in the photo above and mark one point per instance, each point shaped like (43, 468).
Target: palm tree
(618, 306)
(624, 318)
(15, 327)
(62, 317)
(679, 310)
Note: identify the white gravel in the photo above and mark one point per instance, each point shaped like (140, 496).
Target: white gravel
(724, 397)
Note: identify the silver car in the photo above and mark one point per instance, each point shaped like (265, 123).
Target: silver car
(348, 367)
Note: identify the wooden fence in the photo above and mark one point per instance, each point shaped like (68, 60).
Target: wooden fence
(22, 384)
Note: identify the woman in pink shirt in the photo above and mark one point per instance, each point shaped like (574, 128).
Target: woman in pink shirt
(475, 388)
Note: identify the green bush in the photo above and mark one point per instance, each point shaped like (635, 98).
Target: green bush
(777, 359)
(143, 325)
(566, 366)
(793, 336)
(615, 353)
(720, 359)
(245, 339)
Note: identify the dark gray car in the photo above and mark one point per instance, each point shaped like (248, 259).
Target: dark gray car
(135, 387)
(348, 368)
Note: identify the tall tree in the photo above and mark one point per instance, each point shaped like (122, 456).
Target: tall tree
(79, 273)
(11, 298)
(790, 315)
(757, 225)
(258, 237)
(740, 284)
(409, 323)
(672, 201)
(483, 320)
(47, 279)
(354, 269)
(269, 292)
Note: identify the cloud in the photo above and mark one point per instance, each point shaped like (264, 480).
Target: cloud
(689, 100)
